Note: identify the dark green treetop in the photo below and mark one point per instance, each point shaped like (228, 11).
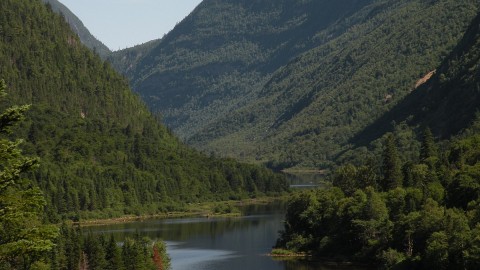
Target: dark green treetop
(392, 174)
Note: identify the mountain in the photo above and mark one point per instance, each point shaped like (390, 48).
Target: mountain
(126, 59)
(77, 26)
(448, 102)
(216, 60)
(102, 152)
(292, 82)
(410, 231)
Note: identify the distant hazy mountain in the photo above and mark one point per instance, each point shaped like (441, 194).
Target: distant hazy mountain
(77, 26)
(125, 60)
(291, 82)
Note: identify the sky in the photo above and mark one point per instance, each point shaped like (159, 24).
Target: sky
(120, 24)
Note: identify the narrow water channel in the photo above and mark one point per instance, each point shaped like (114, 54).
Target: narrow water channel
(218, 243)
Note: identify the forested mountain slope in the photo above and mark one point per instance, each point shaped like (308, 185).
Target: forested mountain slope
(102, 152)
(449, 101)
(125, 60)
(404, 210)
(217, 59)
(291, 82)
(77, 26)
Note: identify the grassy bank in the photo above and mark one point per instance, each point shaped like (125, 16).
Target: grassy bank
(284, 253)
(205, 209)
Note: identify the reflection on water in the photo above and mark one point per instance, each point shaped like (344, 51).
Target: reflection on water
(306, 180)
(213, 243)
(218, 243)
(309, 265)
(189, 258)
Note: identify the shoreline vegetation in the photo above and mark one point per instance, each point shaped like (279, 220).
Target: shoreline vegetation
(283, 254)
(204, 209)
(304, 171)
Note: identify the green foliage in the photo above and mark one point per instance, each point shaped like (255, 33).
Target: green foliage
(391, 258)
(293, 82)
(160, 256)
(428, 148)
(391, 165)
(346, 179)
(77, 26)
(103, 153)
(431, 222)
(448, 102)
(113, 256)
(74, 251)
(24, 239)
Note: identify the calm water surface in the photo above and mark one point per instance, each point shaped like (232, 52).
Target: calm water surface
(306, 180)
(218, 243)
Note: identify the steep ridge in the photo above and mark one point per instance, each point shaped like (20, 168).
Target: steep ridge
(220, 56)
(127, 59)
(448, 102)
(102, 152)
(306, 114)
(78, 27)
(376, 183)
(291, 82)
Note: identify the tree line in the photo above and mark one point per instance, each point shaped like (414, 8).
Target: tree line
(102, 153)
(417, 214)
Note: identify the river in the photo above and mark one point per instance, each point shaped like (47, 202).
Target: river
(219, 243)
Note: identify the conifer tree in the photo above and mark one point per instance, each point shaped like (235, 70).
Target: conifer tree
(429, 154)
(24, 240)
(95, 253)
(112, 255)
(392, 174)
(133, 257)
(160, 256)
(428, 148)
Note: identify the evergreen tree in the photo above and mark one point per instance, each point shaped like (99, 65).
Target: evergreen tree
(160, 256)
(95, 253)
(131, 254)
(113, 256)
(428, 148)
(24, 240)
(101, 149)
(392, 174)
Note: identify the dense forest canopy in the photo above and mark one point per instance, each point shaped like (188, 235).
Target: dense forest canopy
(448, 102)
(418, 214)
(77, 26)
(413, 207)
(102, 152)
(291, 83)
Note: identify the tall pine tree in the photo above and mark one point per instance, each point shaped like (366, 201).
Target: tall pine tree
(392, 173)
(428, 148)
(112, 255)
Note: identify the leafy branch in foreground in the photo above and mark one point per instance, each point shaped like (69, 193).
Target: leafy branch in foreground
(24, 240)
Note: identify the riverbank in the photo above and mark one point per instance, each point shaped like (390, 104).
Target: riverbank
(290, 256)
(287, 255)
(204, 209)
(304, 171)
(283, 253)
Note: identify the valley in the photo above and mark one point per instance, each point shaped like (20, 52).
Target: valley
(363, 113)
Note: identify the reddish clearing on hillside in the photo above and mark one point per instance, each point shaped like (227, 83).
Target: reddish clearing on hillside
(425, 78)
